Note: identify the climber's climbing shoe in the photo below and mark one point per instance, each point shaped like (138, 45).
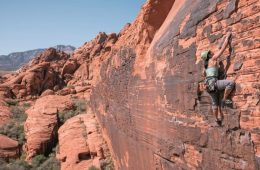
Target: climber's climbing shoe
(219, 122)
(221, 118)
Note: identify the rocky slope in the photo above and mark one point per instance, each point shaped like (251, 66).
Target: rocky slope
(14, 61)
(144, 108)
(55, 85)
(42, 73)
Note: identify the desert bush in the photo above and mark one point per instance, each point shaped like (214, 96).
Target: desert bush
(11, 102)
(80, 107)
(93, 168)
(14, 165)
(13, 130)
(18, 113)
(27, 105)
(107, 164)
(19, 165)
(38, 160)
(63, 116)
(3, 164)
(50, 164)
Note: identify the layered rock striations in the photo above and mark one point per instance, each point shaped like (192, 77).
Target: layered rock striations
(148, 102)
(142, 85)
(81, 144)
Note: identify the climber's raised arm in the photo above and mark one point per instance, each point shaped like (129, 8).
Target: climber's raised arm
(224, 46)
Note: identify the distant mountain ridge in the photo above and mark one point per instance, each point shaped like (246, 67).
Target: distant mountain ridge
(15, 60)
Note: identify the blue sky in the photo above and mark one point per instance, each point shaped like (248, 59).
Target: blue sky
(31, 24)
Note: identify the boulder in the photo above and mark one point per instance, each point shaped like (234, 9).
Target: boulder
(41, 126)
(9, 148)
(80, 89)
(5, 92)
(69, 67)
(48, 92)
(66, 91)
(81, 144)
(40, 78)
(19, 90)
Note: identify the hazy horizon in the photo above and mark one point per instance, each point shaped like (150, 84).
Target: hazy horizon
(28, 25)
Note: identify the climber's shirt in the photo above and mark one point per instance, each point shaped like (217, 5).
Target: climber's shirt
(212, 72)
(211, 79)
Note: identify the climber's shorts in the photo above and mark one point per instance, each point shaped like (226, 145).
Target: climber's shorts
(220, 85)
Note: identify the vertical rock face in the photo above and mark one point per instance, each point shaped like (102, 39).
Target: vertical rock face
(147, 99)
(81, 144)
(41, 126)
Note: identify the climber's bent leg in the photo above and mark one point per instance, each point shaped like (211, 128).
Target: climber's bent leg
(215, 103)
(227, 86)
(221, 113)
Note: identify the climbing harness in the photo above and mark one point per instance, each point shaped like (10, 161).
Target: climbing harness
(210, 83)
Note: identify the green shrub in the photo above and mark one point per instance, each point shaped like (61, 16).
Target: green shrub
(93, 168)
(80, 105)
(19, 165)
(107, 164)
(38, 160)
(13, 130)
(50, 164)
(63, 116)
(11, 102)
(26, 105)
(3, 164)
(14, 165)
(18, 113)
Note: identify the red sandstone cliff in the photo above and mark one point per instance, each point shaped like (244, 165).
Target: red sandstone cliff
(142, 86)
(147, 100)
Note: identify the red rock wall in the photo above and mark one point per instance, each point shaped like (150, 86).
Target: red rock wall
(147, 100)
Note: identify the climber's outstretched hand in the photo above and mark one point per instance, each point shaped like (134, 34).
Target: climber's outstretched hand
(220, 52)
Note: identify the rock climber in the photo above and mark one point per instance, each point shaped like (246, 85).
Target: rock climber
(212, 84)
